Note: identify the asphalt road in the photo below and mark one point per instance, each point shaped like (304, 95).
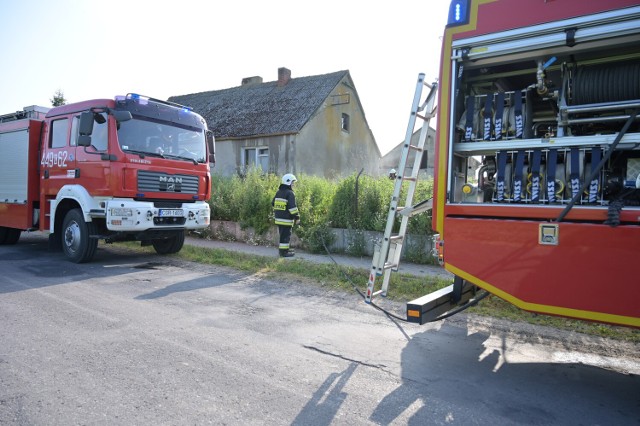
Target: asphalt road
(142, 339)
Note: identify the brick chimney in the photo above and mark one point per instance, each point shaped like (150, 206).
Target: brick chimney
(284, 75)
(247, 81)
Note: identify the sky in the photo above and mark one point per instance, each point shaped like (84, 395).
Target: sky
(160, 48)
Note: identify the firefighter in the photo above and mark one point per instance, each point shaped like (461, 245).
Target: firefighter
(286, 213)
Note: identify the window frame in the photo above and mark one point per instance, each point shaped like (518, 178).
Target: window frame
(345, 122)
(54, 132)
(259, 152)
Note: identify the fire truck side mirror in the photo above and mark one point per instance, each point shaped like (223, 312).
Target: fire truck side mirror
(86, 124)
(211, 144)
(85, 128)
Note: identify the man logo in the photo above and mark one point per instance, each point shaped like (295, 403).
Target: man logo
(170, 183)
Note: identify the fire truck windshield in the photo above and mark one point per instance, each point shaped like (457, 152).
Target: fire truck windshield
(168, 140)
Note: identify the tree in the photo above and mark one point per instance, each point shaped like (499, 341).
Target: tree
(58, 99)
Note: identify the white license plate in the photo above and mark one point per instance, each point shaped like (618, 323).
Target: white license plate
(171, 213)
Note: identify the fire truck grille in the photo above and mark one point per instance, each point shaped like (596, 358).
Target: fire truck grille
(163, 182)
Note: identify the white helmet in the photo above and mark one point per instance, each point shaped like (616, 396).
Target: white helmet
(288, 179)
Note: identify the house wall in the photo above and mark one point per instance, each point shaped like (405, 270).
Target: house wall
(282, 154)
(391, 160)
(324, 149)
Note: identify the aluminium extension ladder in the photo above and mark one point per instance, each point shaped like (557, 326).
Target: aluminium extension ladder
(386, 257)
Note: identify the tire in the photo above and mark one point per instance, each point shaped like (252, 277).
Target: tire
(169, 245)
(13, 235)
(3, 235)
(77, 245)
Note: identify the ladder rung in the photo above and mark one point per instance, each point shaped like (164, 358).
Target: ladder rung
(411, 179)
(426, 116)
(389, 265)
(417, 148)
(396, 238)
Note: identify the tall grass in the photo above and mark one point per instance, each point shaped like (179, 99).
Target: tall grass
(358, 202)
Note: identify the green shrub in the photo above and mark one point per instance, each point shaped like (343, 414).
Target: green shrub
(313, 196)
(223, 206)
(254, 201)
(356, 202)
(342, 212)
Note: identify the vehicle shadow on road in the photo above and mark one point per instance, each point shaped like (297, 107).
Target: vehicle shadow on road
(46, 268)
(462, 382)
(208, 281)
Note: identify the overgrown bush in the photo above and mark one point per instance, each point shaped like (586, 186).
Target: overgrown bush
(342, 211)
(356, 202)
(314, 196)
(223, 205)
(254, 200)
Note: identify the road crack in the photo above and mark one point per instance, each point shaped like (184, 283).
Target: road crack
(365, 364)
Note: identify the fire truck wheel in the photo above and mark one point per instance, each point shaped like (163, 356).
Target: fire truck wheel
(170, 245)
(76, 242)
(9, 236)
(13, 235)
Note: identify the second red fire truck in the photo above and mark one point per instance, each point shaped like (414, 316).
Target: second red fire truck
(129, 168)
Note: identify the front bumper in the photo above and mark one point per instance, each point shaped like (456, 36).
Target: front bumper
(131, 215)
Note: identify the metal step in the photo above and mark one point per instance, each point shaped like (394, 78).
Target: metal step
(430, 306)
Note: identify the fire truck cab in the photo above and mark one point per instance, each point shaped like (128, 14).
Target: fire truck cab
(129, 168)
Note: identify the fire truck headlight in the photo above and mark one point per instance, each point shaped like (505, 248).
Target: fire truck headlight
(205, 216)
(121, 212)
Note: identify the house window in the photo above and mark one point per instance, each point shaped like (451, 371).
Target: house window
(345, 122)
(256, 157)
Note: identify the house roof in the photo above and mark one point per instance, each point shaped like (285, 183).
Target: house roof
(258, 109)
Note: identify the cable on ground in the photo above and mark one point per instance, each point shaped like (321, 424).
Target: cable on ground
(470, 303)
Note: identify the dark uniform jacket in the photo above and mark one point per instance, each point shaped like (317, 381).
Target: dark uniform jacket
(284, 206)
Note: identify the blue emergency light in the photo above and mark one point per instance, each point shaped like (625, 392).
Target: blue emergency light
(458, 13)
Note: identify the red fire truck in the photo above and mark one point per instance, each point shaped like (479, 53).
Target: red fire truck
(537, 161)
(130, 168)
(537, 170)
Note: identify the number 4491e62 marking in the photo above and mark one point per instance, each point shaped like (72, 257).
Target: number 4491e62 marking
(50, 159)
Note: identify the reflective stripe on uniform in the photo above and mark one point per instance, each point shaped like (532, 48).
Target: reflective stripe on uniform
(283, 246)
(280, 204)
(284, 222)
(293, 211)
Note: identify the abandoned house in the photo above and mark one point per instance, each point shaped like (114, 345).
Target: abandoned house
(391, 160)
(312, 125)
